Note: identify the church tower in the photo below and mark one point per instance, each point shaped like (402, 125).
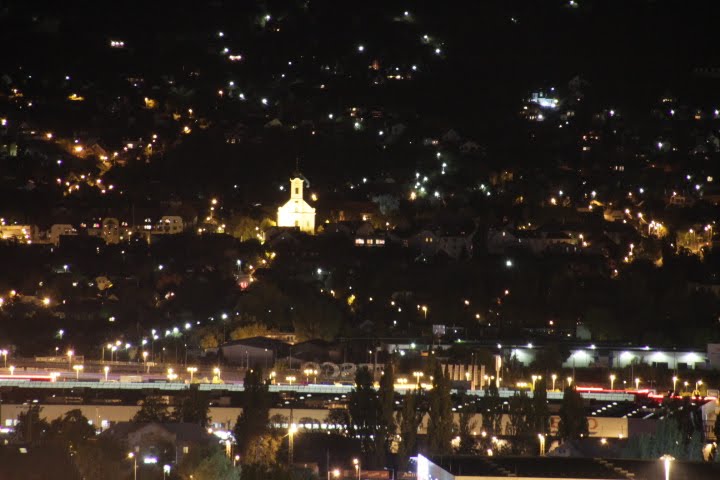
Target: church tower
(297, 212)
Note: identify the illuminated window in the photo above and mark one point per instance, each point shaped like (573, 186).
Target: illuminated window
(186, 449)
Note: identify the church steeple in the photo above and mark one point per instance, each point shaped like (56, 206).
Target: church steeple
(296, 188)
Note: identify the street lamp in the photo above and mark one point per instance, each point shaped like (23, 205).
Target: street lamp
(418, 375)
(216, 372)
(612, 381)
(356, 462)
(12, 370)
(132, 457)
(70, 354)
(697, 385)
(77, 369)
(145, 356)
(541, 437)
(336, 473)
(569, 381)
(675, 380)
(192, 371)
(4, 354)
(106, 370)
(554, 377)
(291, 433)
(637, 383)
(667, 459)
(424, 308)
(290, 379)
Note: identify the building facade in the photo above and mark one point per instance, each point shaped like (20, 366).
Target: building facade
(297, 212)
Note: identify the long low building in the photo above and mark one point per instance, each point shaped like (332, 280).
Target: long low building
(475, 467)
(311, 419)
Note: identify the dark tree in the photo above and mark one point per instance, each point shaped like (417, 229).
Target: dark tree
(30, 428)
(573, 422)
(440, 422)
(253, 421)
(364, 408)
(386, 419)
(410, 416)
(519, 424)
(491, 409)
(193, 407)
(540, 419)
(467, 425)
(71, 429)
(208, 464)
(102, 458)
(153, 410)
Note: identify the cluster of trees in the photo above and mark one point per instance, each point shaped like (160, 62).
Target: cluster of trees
(381, 431)
(191, 406)
(93, 457)
(258, 444)
(679, 433)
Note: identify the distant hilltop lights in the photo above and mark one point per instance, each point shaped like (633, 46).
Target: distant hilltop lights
(544, 101)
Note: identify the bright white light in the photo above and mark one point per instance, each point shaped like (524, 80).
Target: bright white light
(508, 263)
(264, 101)
(221, 34)
(361, 48)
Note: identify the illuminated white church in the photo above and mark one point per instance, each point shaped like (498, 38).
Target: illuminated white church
(297, 212)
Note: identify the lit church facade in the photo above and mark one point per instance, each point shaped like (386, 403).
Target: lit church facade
(297, 212)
